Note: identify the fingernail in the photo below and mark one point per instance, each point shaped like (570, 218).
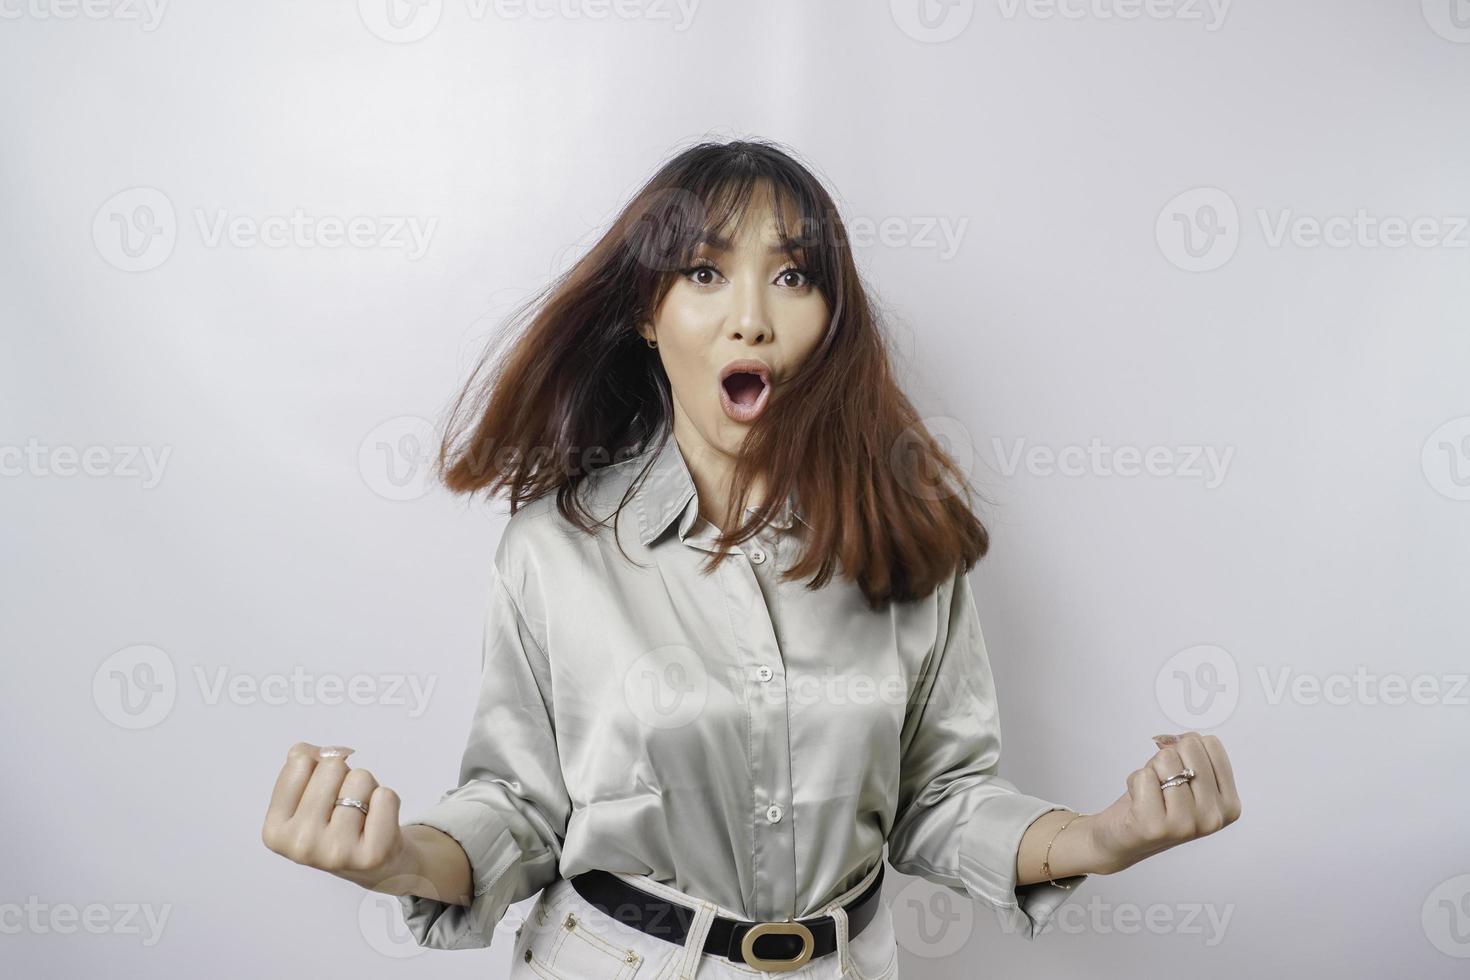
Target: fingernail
(1165, 740)
(334, 752)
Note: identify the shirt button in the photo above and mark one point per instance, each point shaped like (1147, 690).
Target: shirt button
(773, 813)
(757, 556)
(764, 672)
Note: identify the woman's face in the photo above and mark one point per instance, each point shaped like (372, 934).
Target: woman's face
(740, 301)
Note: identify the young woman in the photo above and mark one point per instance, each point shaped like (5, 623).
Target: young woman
(732, 649)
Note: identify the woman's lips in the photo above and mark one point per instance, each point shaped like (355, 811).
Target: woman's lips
(743, 395)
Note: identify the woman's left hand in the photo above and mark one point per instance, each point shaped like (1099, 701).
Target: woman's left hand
(1148, 819)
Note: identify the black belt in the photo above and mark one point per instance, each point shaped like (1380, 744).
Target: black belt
(785, 945)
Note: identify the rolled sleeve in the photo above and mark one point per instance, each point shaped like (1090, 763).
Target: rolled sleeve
(492, 851)
(958, 823)
(509, 814)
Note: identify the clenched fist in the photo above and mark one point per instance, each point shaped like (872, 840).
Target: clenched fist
(305, 823)
(1151, 817)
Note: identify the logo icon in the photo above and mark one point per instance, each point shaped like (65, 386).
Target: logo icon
(1445, 917)
(1446, 458)
(396, 459)
(932, 21)
(135, 230)
(1199, 230)
(1198, 687)
(381, 922)
(400, 21)
(135, 688)
(911, 465)
(1450, 19)
(667, 687)
(931, 921)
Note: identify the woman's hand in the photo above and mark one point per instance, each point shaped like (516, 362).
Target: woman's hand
(1148, 819)
(304, 823)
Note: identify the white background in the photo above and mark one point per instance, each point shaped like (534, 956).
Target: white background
(284, 392)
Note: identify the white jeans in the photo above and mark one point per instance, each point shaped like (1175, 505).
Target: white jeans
(592, 945)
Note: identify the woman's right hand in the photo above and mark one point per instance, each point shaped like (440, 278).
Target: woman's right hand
(305, 824)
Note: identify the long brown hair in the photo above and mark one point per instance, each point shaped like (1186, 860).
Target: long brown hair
(578, 389)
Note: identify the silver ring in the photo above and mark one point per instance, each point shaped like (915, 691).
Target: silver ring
(1178, 778)
(345, 801)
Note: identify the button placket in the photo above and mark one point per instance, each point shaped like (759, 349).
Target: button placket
(774, 847)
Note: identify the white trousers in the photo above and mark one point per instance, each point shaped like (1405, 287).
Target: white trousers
(565, 937)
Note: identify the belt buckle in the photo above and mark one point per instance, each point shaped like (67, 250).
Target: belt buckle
(788, 928)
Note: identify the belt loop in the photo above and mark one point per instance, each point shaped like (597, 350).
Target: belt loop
(844, 960)
(839, 917)
(704, 915)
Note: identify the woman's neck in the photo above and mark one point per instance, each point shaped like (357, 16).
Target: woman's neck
(711, 470)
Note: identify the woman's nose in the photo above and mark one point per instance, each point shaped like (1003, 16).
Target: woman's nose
(749, 318)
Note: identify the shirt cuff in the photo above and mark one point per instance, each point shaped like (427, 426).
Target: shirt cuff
(988, 849)
(492, 850)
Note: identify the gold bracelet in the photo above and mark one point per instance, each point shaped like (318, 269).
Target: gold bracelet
(1046, 860)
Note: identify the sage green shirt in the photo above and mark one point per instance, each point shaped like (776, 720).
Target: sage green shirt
(744, 739)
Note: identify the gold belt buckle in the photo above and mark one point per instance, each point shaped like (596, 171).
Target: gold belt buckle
(790, 928)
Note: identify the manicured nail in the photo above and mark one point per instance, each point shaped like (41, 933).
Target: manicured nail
(1163, 741)
(334, 752)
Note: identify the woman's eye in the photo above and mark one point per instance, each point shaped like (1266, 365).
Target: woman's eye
(694, 271)
(708, 275)
(800, 274)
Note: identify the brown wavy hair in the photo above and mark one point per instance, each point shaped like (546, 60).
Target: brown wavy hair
(575, 389)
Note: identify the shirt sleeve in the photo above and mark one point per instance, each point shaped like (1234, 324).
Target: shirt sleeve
(510, 810)
(958, 823)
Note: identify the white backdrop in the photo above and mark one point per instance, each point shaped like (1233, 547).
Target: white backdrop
(1186, 280)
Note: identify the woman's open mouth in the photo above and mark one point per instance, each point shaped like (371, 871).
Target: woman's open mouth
(745, 385)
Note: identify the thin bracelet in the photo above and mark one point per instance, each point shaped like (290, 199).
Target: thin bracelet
(1046, 860)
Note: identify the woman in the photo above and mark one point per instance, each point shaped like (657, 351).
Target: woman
(732, 648)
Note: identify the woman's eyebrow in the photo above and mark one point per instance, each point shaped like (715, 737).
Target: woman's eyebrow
(720, 243)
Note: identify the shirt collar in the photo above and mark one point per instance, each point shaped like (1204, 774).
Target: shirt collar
(667, 492)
